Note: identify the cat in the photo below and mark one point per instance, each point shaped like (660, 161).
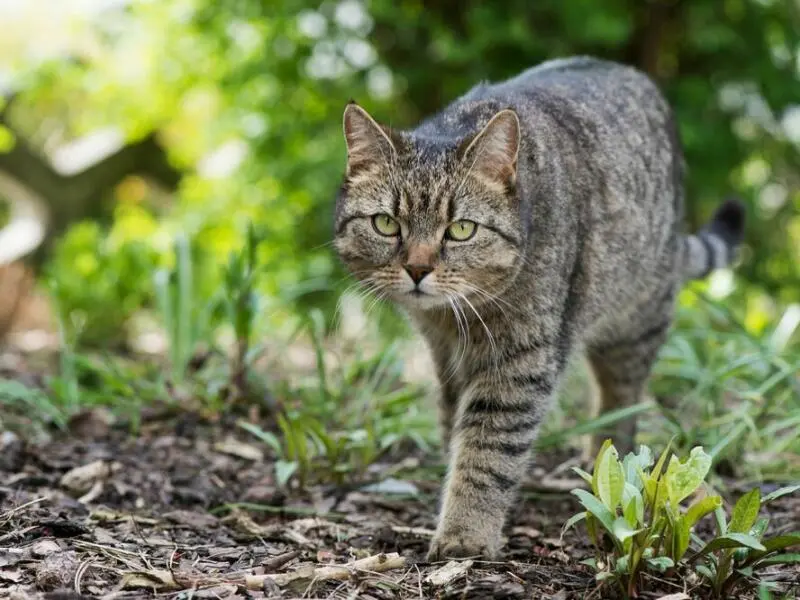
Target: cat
(530, 220)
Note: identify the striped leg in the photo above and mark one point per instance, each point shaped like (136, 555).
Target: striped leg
(448, 404)
(495, 426)
(621, 371)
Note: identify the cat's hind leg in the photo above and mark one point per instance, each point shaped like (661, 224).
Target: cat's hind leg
(622, 367)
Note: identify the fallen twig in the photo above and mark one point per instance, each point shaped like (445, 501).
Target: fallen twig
(374, 564)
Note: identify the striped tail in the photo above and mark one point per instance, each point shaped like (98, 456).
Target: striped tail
(714, 246)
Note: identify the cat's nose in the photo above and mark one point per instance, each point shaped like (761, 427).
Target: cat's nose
(418, 272)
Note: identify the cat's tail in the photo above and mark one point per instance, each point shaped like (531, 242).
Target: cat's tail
(714, 246)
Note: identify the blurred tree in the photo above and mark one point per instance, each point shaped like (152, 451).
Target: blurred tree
(246, 98)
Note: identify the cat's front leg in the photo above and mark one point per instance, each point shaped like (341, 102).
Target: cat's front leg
(496, 424)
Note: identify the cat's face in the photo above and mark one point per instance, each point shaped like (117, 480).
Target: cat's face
(427, 224)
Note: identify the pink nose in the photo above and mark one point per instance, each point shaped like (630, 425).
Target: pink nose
(418, 272)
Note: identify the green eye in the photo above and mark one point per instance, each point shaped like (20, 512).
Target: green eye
(461, 231)
(385, 225)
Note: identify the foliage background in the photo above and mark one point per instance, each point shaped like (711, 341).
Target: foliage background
(246, 98)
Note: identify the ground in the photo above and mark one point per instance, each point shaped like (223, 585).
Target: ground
(188, 508)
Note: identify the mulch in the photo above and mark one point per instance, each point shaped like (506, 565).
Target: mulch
(188, 508)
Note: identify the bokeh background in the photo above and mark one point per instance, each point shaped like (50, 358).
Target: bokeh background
(142, 138)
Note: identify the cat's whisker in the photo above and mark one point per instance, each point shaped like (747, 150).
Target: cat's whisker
(463, 335)
(489, 335)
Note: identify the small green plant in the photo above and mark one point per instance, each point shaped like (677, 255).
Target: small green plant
(337, 423)
(185, 320)
(241, 303)
(636, 521)
(740, 548)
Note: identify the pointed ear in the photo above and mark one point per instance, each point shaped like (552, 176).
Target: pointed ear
(492, 153)
(367, 142)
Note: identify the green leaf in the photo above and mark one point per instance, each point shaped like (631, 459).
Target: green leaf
(597, 461)
(634, 464)
(745, 512)
(701, 508)
(596, 508)
(729, 540)
(721, 520)
(757, 531)
(775, 544)
(684, 477)
(660, 563)
(651, 481)
(633, 505)
(705, 572)
(610, 479)
(681, 533)
(284, 470)
(572, 521)
(780, 559)
(591, 528)
(621, 566)
(622, 531)
(584, 475)
(269, 438)
(784, 491)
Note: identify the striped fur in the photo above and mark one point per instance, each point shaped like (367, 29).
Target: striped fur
(573, 173)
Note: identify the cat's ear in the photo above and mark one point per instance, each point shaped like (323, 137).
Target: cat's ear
(492, 153)
(368, 143)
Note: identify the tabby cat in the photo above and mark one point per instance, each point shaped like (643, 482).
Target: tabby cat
(528, 221)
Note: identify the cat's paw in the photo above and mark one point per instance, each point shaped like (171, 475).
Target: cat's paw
(463, 545)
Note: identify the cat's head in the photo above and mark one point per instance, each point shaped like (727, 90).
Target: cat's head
(424, 221)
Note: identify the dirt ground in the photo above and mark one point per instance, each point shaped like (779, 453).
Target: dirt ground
(98, 513)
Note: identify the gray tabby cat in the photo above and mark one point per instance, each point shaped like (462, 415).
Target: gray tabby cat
(528, 221)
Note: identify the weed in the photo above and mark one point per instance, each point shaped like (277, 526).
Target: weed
(636, 522)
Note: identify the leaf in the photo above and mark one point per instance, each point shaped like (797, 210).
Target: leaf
(745, 512)
(622, 531)
(660, 563)
(729, 540)
(681, 533)
(684, 477)
(597, 461)
(596, 508)
(784, 491)
(634, 464)
(621, 566)
(721, 520)
(591, 528)
(284, 470)
(633, 505)
(705, 572)
(584, 475)
(572, 521)
(779, 542)
(269, 438)
(701, 508)
(779, 559)
(760, 527)
(610, 479)
(651, 481)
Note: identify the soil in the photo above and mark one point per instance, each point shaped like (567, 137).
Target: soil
(190, 509)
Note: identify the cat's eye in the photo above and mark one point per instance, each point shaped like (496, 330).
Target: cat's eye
(461, 231)
(385, 225)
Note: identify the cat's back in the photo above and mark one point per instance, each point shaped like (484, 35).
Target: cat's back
(601, 102)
